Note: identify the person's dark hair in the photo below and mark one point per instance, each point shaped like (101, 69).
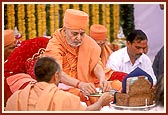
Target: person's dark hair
(136, 35)
(159, 95)
(45, 68)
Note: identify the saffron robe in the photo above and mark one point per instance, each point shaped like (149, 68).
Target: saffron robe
(77, 62)
(42, 96)
(105, 53)
(16, 62)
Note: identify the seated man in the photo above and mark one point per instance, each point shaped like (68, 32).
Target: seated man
(78, 54)
(44, 95)
(99, 34)
(17, 61)
(129, 58)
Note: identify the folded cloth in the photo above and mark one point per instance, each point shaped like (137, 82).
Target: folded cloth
(135, 73)
(117, 75)
(16, 81)
(64, 86)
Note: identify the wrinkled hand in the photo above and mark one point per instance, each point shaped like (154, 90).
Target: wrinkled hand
(105, 85)
(105, 99)
(87, 88)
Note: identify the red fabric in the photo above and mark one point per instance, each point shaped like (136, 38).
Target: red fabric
(16, 60)
(29, 65)
(116, 75)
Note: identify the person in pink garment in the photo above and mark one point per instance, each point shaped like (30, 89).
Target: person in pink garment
(44, 95)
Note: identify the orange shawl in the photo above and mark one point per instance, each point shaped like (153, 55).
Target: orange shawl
(43, 97)
(76, 62)
(106, 51)
(84, 57)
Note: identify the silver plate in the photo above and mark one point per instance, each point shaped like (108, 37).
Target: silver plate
(140, 108)
(95, 95)
(99, 92)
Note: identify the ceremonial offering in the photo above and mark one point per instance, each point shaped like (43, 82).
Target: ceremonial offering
(139, 93)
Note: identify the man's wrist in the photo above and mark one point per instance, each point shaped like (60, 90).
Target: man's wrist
(77, 84)
(103, 79)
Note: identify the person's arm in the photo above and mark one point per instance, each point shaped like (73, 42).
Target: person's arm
(100, 74)
(105, 99)
(94, 107)
(86, 88)
(68, 80)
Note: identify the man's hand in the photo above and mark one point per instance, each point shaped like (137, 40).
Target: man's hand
(105, 99)
(100, 74)
(105, 85)
(87, 88)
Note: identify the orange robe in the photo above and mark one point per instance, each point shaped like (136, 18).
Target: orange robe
(77, 62)
(105, 53)
(43, 96)
(115, 77)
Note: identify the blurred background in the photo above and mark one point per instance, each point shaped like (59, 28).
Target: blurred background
(35, 20)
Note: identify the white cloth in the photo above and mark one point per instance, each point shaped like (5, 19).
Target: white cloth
(64, 86)
(149, 110)
(120, 61)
